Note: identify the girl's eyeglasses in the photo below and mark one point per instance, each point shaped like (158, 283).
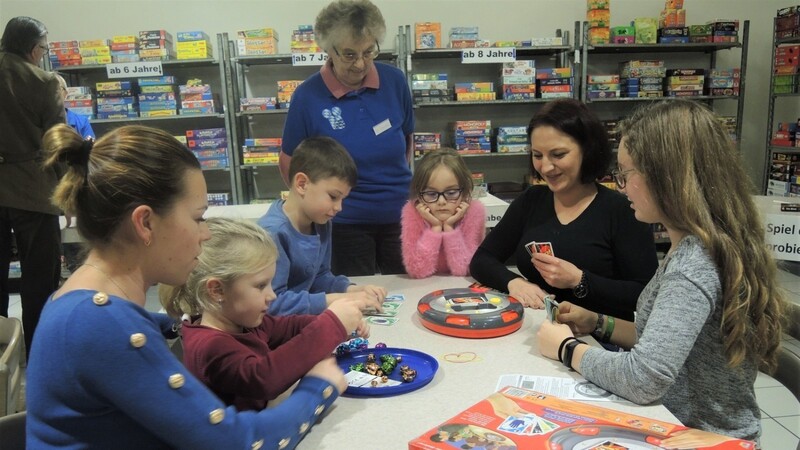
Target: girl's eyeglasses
(450, 195)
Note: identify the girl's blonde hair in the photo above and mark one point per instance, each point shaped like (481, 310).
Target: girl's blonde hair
(696, 178)
(236, 248)
(449, 158)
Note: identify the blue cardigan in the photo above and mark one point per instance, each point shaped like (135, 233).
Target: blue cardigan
(102, 376)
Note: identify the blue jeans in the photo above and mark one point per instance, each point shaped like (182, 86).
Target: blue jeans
(366, 249)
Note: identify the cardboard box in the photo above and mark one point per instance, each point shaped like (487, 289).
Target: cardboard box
(428, 35)
(646, 30)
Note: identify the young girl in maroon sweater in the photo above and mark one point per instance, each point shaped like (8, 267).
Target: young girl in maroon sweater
(441, 225)
(243, 354)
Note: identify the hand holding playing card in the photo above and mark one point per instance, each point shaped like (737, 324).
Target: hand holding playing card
(557, 272)
(550, 336)
(580, 320)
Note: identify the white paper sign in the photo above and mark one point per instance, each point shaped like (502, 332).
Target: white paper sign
(135, 69)
(783, 236)
(488, 55)
(569, 388)
(309, 59)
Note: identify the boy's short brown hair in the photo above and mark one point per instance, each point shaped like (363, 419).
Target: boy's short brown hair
(323, 157)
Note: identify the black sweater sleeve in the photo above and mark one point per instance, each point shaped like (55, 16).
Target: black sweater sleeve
(488, 265)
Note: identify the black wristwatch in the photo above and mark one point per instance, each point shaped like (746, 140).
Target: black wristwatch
(582, 289)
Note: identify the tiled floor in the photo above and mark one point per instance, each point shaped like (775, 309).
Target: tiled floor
(780, 420)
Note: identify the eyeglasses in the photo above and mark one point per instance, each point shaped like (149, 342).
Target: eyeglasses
(451, 195)
(351, 57)
(621, 177)
(44, 48)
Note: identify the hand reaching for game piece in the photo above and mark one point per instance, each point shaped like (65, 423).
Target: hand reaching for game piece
(348, 309)
(363, 330)
(328, 370)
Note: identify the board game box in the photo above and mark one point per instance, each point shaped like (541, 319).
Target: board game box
(516, 418)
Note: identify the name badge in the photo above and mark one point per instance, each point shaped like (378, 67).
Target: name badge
(381, 127)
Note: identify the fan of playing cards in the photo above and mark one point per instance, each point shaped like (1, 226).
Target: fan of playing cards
(539, 247)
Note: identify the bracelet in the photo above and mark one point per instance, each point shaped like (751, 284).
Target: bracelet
(561, 347)
(609, 330)
(570, 349)
(598, 328)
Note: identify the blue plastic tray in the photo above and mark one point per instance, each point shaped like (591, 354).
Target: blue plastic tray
(425, 365)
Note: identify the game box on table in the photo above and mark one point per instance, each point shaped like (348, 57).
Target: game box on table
(541, 421)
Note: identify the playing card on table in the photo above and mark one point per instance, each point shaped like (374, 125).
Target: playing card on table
(551, 308)
(383, 321)
(389, 310)
(394, 298)
(391, 306)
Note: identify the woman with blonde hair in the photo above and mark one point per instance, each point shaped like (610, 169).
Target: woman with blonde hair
(100, 373)
(711, 315)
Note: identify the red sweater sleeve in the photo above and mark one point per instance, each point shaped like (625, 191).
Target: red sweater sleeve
(251, 366)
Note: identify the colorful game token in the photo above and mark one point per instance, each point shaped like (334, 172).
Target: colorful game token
(473, 312)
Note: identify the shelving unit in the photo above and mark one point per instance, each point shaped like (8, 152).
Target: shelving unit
(236, 76)
(437, 117)
(258, 76)
(675, 55)
(212, 71)
(787, 102)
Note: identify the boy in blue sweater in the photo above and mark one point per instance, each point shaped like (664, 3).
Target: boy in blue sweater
(321, 175)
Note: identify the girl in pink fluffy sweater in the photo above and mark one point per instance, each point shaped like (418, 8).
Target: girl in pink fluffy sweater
(441, 225)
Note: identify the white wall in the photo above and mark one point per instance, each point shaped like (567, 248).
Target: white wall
(498, 19)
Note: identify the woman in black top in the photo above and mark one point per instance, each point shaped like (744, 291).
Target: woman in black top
(602, 256)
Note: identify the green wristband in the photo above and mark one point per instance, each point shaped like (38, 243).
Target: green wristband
(609, 329)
